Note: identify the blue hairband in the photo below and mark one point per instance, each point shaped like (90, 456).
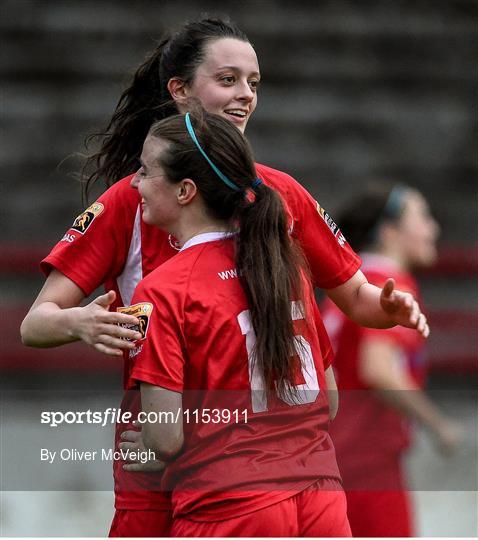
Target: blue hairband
(223, 177)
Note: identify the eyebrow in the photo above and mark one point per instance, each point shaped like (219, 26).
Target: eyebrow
(142, 163)
(235, 68)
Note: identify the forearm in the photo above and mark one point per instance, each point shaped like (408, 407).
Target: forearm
(415, 404)
(48, 325)
(332, 393)
(367, 311)
(360, 301)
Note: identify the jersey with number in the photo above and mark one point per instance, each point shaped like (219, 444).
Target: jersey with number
(109, 243)
(244, 449)
(376, 432)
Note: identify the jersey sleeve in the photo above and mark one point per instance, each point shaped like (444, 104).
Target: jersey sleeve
(158, 358)
(96, 245)
(331, 259)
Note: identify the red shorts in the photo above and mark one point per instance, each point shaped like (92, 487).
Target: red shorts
(320, 510)
(137, 523)
(380, 513)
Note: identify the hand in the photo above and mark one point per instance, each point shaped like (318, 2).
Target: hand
(99, 327)
(403, 309)
(449, 437)
(134, 443)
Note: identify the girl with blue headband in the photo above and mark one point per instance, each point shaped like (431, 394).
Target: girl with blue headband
(232, 334)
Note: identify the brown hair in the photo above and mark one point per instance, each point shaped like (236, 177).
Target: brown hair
(269, 263)
(362, 216)
(147, 98)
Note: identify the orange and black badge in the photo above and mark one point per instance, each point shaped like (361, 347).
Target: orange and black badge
(142, 312)
(86, 218)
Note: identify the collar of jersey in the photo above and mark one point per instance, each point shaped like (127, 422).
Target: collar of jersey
(205, 237)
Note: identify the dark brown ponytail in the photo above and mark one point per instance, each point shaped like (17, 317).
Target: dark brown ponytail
(270, 264)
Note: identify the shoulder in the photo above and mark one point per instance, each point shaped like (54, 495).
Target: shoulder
(279, 180)
(121, 191)
(172, 276)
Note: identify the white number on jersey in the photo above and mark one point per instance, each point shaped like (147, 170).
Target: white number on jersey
(305, 393)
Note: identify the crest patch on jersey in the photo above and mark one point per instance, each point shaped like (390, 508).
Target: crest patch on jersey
(86, 218)
(331, 224)
(141, 311)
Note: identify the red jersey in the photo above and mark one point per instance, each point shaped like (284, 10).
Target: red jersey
(198, 341)
(109, 243)
(368, 434)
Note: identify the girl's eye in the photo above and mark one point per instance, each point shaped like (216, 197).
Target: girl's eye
(228, 80)
(254, 84)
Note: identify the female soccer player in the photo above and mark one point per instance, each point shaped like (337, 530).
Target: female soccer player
(230, 331)
(212, 61)
(380, 373)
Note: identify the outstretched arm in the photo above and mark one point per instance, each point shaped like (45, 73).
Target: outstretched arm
(56, 318)
(373, 307)
(380, 369)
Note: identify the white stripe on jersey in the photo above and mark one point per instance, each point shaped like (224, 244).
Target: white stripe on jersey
(133, 269)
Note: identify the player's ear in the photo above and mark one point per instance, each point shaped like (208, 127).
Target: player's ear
(187, 190)
(177, 89)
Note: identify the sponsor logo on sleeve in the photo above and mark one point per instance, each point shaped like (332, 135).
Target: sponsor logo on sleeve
(331, 225)
(86, 218)
(142, 312)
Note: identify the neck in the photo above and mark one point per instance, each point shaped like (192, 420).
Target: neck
(187, 231)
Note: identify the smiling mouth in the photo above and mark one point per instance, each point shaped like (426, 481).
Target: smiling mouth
(236, 113)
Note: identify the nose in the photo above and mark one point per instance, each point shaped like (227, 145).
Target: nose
(134, 181)
(245, 92)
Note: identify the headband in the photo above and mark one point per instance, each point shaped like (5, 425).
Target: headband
(223, 177)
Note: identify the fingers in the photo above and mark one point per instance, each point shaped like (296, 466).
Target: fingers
(112, 343)
(131, 436)
(107, 350)
(129, 447)
(105, 300)
(414, 310)
(421, 323)
(115, 331)
(388, 288)
(149, 466)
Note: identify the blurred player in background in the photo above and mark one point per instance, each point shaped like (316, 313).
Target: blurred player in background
(212, 61)
(380, 374)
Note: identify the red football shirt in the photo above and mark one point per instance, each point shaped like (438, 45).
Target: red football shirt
(109, 243)
(197, 341)
(369, 436)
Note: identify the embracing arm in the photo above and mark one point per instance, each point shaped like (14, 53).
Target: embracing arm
(332, 392)
(370, 306)
(165, 439)
(56, 318)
